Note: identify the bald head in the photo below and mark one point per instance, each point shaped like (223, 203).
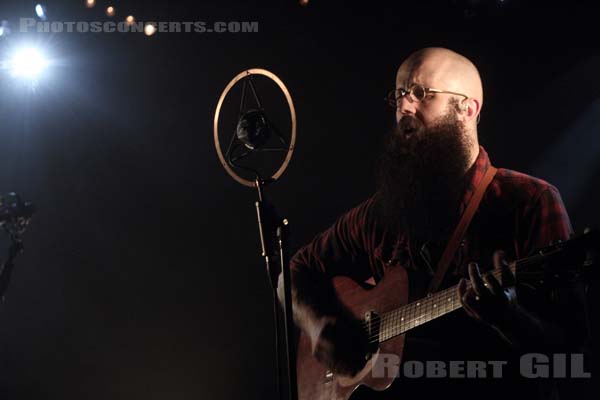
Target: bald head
(443, 69)
(459, 96)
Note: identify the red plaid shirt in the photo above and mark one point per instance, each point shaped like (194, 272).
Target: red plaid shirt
(518, 214)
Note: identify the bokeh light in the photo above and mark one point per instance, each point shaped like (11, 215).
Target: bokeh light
(149, 29)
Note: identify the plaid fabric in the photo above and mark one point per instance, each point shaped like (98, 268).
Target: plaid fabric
(518, 214)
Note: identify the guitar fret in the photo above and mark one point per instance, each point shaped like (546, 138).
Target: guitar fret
(413, 318)
(411, 315)
(387, 330)
(417, 313)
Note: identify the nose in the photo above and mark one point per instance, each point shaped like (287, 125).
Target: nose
(404, 106)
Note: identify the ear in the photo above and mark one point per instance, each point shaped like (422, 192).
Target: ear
(470, 108)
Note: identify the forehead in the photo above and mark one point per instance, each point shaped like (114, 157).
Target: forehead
(424, 72)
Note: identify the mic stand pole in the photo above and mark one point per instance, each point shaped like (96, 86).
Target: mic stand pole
(7, 266)
(273, 239)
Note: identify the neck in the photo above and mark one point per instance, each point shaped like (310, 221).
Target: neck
(473, 154)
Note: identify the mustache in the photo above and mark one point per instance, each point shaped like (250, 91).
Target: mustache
(405, 138)
(408, 125)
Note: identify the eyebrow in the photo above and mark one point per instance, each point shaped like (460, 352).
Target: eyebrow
(413, 83)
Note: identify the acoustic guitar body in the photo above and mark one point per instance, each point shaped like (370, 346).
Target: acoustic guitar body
(317, 382)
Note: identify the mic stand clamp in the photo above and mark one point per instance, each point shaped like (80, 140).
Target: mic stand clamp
(274, 233)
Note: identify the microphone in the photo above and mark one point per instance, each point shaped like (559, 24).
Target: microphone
(253, 133)
(253, 129)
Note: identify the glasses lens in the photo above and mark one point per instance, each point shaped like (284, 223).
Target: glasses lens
(418, 93)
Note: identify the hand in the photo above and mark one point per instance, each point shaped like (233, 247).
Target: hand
(486, 299)
(342, 345)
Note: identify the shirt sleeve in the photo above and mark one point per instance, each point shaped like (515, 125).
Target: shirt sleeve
(549, 223)
(342, 248)
(546, 221)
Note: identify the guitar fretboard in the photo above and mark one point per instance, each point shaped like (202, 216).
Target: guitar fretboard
(410, 316)
(405, 318)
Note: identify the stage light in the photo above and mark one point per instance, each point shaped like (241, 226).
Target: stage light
(4, 28)
(90, 3)
(303, 2)
(130, 20)
(40, 11)
(149, 29)
(27, 63)
(110, 11)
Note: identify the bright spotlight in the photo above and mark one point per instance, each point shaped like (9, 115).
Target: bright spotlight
(40, 11)
(90, 3)
(27, 63)
(110, 11)
(4, 28)
(130, 20)
(149, 29)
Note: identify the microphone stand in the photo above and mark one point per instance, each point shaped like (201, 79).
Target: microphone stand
(7, 266)
(273, 233)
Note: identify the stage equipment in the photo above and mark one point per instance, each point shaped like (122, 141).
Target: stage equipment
(253, 134)
(14, 218)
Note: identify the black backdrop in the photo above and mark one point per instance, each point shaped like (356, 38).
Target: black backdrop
(141, 277)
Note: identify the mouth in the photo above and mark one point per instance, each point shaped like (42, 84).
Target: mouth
(409, 130)
(407, 126)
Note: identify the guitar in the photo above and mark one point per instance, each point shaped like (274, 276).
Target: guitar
(387, 318)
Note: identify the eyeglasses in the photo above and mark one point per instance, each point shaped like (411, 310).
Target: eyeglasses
(416, 93)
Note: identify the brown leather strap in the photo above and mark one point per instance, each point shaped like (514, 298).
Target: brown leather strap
(461, 228)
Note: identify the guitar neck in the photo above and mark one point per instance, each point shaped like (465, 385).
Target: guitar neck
(417, 313)
(412, 315)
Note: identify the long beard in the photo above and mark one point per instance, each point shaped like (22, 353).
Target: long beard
(420, 176)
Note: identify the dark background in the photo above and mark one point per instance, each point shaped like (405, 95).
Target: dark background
(141, 277)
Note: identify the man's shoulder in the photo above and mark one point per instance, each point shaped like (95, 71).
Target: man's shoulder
(364, 209)
(519, 187)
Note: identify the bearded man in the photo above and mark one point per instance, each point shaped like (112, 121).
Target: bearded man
(427, 175)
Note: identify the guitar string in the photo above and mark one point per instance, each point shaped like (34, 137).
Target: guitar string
(399, 321)
(426, 300)
(395, 316)
(522, 263)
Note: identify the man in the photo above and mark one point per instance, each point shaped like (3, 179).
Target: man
(431, 166)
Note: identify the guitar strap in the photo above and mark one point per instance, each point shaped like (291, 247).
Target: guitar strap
(461, 228)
